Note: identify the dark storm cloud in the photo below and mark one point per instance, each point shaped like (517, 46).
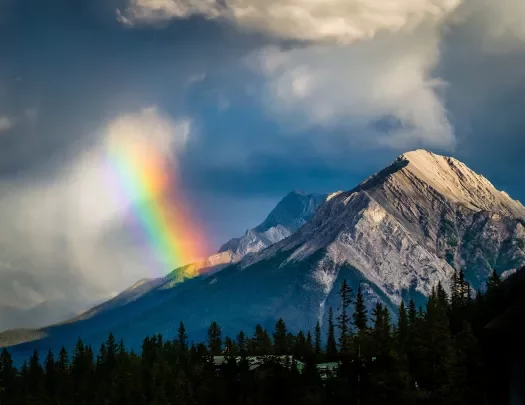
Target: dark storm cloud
(485, 96)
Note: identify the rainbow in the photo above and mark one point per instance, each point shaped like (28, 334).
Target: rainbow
(143, 178)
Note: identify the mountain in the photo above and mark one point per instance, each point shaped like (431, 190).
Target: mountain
(292, 212)
(396, 235)
(410, 225)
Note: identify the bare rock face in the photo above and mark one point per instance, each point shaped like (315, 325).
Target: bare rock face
(411, 226)
(292, 212)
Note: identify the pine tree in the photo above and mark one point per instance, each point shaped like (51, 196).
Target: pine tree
(111, 347)
(360, 313)
(280, 339)
(309, 345)
(261, 344)
(438, 342)
(343, 320)
(412, 314)
(402, 328)
(241, 344)
(299, 347)
(35, 375)
(379, 329)
(51, 375)
(493, 282)
(214, 339)
(7, 378)
(331, 346)
(122, 354)
(229, 346)
(317, 339)
(182, 337)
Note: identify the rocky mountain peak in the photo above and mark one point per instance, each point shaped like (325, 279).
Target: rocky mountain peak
(410, 226)
(456, 182)
(292, 212)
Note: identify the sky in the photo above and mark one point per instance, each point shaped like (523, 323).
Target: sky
(246, 100)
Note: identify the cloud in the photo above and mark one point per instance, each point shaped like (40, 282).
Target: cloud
(499, 26)
(365, 68)
(165, 135)
(355, 87)
(318, 20)
(74, 226)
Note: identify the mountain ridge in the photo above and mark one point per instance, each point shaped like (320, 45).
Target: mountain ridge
(292, 212)
(394, 235)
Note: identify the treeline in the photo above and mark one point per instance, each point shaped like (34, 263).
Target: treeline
(430, 355)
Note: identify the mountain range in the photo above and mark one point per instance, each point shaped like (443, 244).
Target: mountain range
(395, 235)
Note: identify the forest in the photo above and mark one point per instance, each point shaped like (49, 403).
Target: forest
(437, 354)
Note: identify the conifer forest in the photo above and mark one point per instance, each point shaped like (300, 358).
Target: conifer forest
(437, 354)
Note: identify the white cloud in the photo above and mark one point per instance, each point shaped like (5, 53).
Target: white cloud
(351, 87)
(75, 225)
(331, 20)
(361, 61)
(364, 61)
(166, 135)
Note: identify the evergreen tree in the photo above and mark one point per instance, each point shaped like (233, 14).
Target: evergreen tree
(214, 339)
(343, 320)
(111, 347)
(309, 345)
(122, 354)
(360, 314)
(35, 375)
(493, 283)
(331, 346)
(300, 345)
(241, 344)
(380, 329)
(438, 343)
(402, 328)
(7, 378)
(63, 361)
(229, 346)
(317, 339)
(280, 339)
(51, 377)
(182, 337)
(261, 343)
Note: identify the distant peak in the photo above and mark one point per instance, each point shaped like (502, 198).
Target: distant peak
(139, 283)
(297, 192)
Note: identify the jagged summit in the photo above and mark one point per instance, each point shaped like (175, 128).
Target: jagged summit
(292, 212)
(444, 177)
(453, 179)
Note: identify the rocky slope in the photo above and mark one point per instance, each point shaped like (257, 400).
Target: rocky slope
(409, 226)
(292, 212)
(396, 235)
